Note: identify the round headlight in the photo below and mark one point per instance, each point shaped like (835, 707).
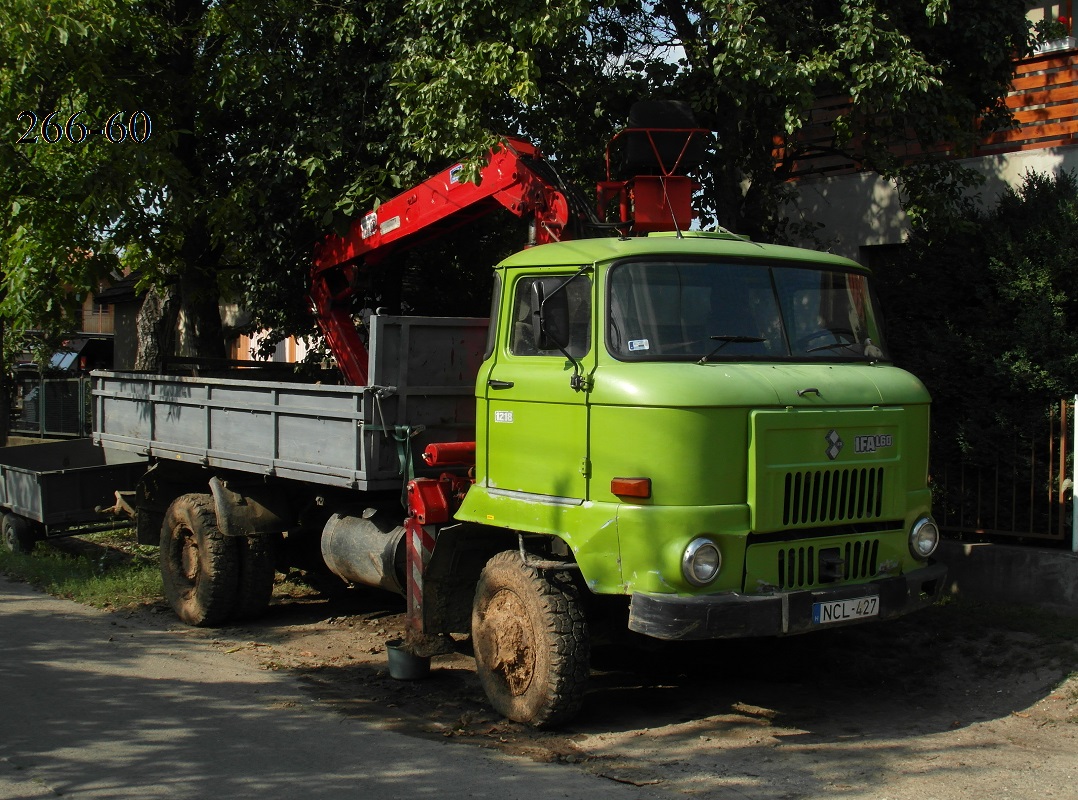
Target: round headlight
(701, 562)
(924, 538)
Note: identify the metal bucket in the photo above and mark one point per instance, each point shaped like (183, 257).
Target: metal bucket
(404, 665)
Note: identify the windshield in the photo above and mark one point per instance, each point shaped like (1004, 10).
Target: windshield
(705, 311)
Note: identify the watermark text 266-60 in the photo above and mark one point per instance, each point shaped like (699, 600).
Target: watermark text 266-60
(53, 129)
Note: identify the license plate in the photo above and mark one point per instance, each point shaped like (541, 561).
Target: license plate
(845, 610)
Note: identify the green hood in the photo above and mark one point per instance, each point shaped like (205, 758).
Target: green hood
(720, 384)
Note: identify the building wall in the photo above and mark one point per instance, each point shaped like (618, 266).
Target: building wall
(125, 343)
(858, 210)
(290, 350)
(863, 210)
(96, 318)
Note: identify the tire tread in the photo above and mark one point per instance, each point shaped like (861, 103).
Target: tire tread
(211, 600)
(557, 602)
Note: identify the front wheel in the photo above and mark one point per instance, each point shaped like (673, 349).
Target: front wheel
(531, 642)
(199, 565)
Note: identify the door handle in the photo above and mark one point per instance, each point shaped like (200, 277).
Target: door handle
(493, 384)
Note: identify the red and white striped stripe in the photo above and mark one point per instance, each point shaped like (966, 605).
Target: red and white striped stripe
(420, 546)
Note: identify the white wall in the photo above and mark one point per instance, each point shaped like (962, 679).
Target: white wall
(863, 209)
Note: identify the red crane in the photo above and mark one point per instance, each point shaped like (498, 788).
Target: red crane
(516, 178)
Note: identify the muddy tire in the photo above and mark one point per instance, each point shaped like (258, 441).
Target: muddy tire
(531, 642)
(257, 560)
(199, 565)
(19, 534)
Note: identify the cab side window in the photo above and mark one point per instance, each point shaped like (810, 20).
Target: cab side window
(522, 338)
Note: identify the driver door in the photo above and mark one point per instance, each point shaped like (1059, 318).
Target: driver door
(536, 422)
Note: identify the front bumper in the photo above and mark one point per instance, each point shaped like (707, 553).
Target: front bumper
(731, 615)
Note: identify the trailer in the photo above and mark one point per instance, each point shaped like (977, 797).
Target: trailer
(59, 488)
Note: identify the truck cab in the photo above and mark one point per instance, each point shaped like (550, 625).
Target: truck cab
(711, 427)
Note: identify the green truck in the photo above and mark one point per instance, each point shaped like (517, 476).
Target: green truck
(682, 434)
(741, 459)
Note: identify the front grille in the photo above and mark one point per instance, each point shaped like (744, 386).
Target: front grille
(809, 565)
(835, 495)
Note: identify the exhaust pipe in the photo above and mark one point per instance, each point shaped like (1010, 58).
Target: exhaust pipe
(367, 549)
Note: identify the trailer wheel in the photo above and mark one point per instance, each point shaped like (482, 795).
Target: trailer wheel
(19, 534)
(199, 565)
(257, 565)
(531, 642)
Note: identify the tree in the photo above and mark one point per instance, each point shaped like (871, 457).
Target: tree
(984, 311)
(931, 70)
(76, 188)
(273, 123)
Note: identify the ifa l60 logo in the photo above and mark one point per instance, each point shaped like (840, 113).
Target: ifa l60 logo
(870, 443)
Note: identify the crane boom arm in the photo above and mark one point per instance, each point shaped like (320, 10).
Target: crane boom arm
(512, 179)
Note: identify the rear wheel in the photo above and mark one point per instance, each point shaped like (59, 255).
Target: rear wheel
(19, 534)
(531, 642)
(199, 565)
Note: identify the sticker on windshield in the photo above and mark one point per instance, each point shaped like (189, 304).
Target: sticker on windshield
(638, 344)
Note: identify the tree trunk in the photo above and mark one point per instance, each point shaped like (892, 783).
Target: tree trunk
(5, 392)
(200, 331)
(155, 327)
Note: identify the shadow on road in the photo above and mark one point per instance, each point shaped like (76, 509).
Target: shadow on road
(833, 706)
(96, 705)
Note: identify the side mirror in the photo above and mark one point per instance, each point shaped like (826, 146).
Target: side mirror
(550, 313)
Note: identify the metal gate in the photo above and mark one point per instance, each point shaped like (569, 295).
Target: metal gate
(1023, 490)
(55, 407)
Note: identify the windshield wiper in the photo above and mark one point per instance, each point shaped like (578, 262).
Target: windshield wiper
(725, 340)
(830, 346)
(871, 353)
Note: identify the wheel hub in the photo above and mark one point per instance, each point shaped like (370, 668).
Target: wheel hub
(189, 560)
(513, 641)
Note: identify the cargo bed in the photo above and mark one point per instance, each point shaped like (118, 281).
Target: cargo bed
(421, 389)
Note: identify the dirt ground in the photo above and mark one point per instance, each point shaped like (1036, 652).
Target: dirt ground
(960, 701)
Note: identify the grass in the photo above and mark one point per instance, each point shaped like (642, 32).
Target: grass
(96, 573)
(109, 570)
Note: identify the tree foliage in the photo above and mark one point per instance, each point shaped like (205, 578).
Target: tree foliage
(272, 123)
(931, 70)
(986, 314)
(276, 122)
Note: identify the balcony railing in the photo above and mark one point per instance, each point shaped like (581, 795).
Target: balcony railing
(98, 320)
(1043, 99)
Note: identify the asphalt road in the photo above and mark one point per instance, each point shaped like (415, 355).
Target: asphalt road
(92, 708)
